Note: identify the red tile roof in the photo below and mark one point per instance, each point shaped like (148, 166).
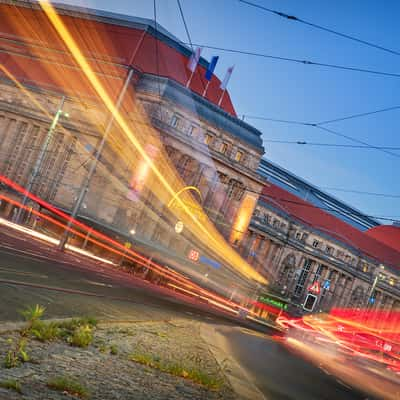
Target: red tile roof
(388, 234)
(313, 216)
(100, 40)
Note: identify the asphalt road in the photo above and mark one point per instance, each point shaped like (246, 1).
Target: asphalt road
(280, 374)
(31, 273)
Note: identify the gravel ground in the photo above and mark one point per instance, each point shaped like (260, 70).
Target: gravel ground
(114, 376)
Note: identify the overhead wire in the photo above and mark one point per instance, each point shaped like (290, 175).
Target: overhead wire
(299, 61)
(331, 131)
(393, 196)
(350, 146)
(190, 41)
(320, 27)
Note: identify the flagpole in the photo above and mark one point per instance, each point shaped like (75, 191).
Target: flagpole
(221, 98)
(190, 79)
(206, 88)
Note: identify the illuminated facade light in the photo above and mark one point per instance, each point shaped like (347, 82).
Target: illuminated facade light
(243, 217)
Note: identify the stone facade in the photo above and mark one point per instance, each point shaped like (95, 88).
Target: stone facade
(210, 149)
(293, 255)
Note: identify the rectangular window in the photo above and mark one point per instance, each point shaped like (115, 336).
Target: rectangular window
(223, 148)
(298, 235)
(208, 139)
(192, 130)
(315, 244)
(238, 156)
(303, 277)
(174, 121)
(328, 250)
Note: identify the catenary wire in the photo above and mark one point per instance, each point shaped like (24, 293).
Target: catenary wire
(352, 116)
(336, 133)
(393, 196)
(349, 146)
(298, 61)
(320, 27)
(190, 40)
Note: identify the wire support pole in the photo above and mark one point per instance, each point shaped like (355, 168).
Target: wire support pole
(40, 159)
(93, 166)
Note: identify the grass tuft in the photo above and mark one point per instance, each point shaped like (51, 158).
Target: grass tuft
(113, 349)
(193, 374)
(82, 336)
(45, 331)
(69, 385)
(11, 384)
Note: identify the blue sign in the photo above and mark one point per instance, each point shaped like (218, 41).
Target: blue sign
(208, 261)
(372, 300)
(327, 284)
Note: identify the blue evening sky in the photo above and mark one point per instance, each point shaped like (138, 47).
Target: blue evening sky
(289, 91)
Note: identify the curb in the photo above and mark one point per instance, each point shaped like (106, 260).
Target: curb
(239, 379)
(7, 327)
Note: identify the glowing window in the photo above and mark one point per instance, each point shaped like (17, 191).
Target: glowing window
(208, 139)
(238, 156)
(223, 148)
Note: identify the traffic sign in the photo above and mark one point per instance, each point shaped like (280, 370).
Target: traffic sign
(327, 284)
(127, 245)
(194, 255)
(315, 288)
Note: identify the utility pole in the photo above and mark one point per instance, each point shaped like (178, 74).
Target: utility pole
(41, 156)
(93, 166)
(92, 170)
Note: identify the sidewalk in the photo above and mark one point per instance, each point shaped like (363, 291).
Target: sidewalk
(143, 360)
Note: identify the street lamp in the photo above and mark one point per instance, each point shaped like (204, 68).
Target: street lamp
(378, 275)
(42, 153)
(132, 231)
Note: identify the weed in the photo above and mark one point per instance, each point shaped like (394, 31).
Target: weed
(81, 337)
(176, 369)
(113, 349)
(11, 384)
(102, 348)
(17, 354)
(74, 323)
(45, 332)
(69, 385)
(31, 314)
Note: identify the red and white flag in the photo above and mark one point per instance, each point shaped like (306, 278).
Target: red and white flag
(194, 59)
(228, 74)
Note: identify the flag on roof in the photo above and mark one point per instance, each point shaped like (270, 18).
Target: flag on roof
(194, 59)
(211, 67)
(228, 74)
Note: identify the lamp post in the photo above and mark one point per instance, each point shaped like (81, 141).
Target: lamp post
(374, 283)
(42, 153)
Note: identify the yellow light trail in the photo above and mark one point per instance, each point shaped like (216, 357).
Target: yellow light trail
(217, 243)
(181, 191)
